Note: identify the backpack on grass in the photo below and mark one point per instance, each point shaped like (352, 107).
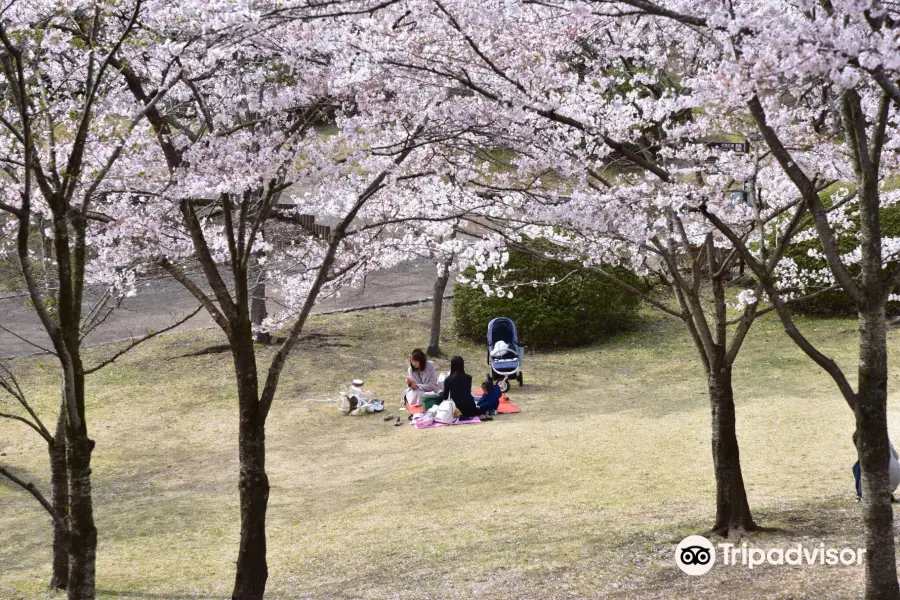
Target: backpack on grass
(446, 412)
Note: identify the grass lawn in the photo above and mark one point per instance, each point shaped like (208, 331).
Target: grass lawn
(582, 495)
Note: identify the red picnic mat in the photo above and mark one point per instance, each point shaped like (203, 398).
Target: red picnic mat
(505, 408)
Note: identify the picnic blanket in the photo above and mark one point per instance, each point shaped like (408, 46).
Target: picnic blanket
(420, 425)
(505, 408)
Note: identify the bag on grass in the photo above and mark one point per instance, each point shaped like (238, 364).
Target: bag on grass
(423, 420)
(446, 412)
(429, 400)
(347, 403)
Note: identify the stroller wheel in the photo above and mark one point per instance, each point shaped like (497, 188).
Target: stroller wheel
(503, 384)
(519, 377)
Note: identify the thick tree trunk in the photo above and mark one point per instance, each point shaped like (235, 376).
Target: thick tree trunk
(732, 509)
(79, 447)
(83, 539)
(440, 285)
(874, 456)
(252, 571)
(59, 498)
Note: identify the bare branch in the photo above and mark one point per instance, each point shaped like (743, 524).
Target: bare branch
(31, 489)
(27, 341)
(194, 289)
(137, 342)
(10, 385)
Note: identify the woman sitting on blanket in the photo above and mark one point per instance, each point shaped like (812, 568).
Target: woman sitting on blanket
(421, 378)
(458, 387)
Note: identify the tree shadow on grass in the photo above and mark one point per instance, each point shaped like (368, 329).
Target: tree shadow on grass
(834, 516)
(311, 340)
(38, 479)
(834, 521)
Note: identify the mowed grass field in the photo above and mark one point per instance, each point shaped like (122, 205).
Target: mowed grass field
(582, 495)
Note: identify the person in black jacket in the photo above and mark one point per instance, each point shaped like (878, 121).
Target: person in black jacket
(458, 387)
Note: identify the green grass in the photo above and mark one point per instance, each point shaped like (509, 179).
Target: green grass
(582, 495)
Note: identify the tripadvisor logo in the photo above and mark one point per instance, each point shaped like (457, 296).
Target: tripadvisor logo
(695, 555)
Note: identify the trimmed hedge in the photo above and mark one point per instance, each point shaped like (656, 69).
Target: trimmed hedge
(581, 308)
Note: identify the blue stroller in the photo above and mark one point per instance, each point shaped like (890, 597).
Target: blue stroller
(505, 353)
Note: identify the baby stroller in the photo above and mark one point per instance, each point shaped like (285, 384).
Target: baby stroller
(505, 354)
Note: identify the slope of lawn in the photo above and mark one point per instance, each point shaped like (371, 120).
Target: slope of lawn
(582, 495)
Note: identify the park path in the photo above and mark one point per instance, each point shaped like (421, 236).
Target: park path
(161, 302)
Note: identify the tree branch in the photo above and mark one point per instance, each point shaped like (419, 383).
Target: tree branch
(192, 287)
(27, 341)
(810, 195)
(827, 364)
(137, 342)
(10, 385)
(339, 233)
(31, 489)
(11, 209)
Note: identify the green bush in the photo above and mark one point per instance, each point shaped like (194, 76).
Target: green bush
(837, 302)
(579, 309)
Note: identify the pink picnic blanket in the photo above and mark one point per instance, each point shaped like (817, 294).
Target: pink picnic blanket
(461, 421)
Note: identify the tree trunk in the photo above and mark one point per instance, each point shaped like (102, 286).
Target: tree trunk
(83, 540)
(79, 447)
(258, 311)
(252, 571)
(59, 497)
(732, 509)
(874, 457)
(440, 285)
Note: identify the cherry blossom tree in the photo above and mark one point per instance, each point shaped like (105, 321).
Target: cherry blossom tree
(243, 125)
(663, 236)
(65, 129)
(819, 82)
(576, 184)
(852, 81)
(637, 84)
